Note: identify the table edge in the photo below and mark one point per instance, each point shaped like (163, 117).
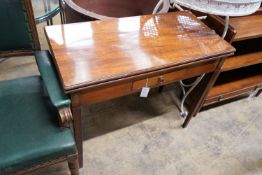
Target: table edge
(123, 77)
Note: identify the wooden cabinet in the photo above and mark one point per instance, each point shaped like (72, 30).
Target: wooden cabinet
(241, 74)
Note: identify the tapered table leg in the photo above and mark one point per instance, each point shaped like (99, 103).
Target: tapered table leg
(200, 93)
(259, 92)
(78, 133)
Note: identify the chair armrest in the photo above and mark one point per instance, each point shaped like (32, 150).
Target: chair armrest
(48, 73)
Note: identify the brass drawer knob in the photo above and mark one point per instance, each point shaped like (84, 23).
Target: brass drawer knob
(161, 80)
(220, 98)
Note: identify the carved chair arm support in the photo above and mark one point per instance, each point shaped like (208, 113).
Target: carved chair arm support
(50, 80)
(65, 115)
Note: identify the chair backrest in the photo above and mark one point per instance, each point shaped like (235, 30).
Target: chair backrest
(18, 34)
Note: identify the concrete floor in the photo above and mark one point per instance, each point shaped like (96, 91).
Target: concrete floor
(134, 136)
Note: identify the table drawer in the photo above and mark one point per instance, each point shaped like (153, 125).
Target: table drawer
(173, 76)
(234, 94)
(103, 93)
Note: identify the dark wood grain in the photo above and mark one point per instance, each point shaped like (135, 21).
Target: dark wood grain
(218, 24)
(111, 8)
(77, 123)
(232, 86)
(201, 91)
(86, 10)
(240, 28)
(73, 165)
(95, 52)
(167, 78)
(104, 93)
(247, 27)
(32, 25)
(230, 95)
(113, 90)
(240, 61)
(238, 82)
(101, 60)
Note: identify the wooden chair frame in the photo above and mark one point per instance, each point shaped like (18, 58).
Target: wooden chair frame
(65, 115)
(32, 25)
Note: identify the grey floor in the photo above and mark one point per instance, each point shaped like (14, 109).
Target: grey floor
(134, 136)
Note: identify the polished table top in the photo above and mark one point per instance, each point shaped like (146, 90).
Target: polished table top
(94, 52)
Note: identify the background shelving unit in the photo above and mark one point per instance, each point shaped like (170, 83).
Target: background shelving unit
(241, 74)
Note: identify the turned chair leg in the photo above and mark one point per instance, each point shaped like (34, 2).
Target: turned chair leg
(73, 165)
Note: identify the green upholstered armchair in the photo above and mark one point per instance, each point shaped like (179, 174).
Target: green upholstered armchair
(34, 112)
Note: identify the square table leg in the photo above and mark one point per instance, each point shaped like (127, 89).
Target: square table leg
(78, 133)
(200, 93)
(259, 92)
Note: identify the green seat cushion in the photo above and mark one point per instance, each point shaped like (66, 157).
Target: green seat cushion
(30, 133)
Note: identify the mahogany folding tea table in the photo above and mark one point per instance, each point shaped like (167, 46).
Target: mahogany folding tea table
(101, 60)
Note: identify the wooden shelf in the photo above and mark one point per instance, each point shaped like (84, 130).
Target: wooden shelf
(235, 85)
(247, 27)
(242, 61)
(240, 74)
(235, 82)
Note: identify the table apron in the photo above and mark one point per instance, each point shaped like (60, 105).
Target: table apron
(125, 87)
